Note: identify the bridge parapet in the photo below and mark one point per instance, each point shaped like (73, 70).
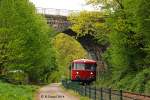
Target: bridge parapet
(57, 18)
(59, 23)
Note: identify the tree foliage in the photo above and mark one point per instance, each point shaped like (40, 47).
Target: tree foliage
(128, 53)
(143, 16)
(24, 39)
(107, 4)
(91, 23)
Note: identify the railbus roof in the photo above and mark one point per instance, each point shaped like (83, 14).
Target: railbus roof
(84, 61)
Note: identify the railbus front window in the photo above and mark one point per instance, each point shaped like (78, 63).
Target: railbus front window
(79, 66)
(84, 66)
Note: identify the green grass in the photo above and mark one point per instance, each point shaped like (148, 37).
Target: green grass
(17, 92)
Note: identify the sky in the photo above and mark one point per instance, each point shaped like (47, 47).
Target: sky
(63, 4)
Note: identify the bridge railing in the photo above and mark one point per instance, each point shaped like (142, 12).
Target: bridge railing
(52, 11)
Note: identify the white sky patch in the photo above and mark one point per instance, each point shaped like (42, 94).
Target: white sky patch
(63, 4)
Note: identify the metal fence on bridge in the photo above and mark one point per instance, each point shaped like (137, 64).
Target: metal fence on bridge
(96, 93)
(52, 11)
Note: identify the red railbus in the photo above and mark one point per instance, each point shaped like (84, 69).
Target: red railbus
(83, 70)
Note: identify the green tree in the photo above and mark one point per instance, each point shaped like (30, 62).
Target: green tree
(143, 16)
(25, 42)
(126, 42)
(128, 53)
(107, 5)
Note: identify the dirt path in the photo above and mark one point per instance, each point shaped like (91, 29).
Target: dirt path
(54, 92)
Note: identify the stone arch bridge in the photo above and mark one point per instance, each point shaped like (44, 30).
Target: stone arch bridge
(57, 18)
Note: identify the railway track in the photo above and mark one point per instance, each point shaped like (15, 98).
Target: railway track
(136, 96)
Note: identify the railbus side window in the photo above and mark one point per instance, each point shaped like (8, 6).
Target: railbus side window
(90, 67)
(72, 66)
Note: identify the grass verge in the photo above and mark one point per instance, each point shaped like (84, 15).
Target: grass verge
(75, 94)
(17, 92)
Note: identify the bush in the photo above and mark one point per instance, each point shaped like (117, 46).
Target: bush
(141, 81)
(147, 88)
(17, 77)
